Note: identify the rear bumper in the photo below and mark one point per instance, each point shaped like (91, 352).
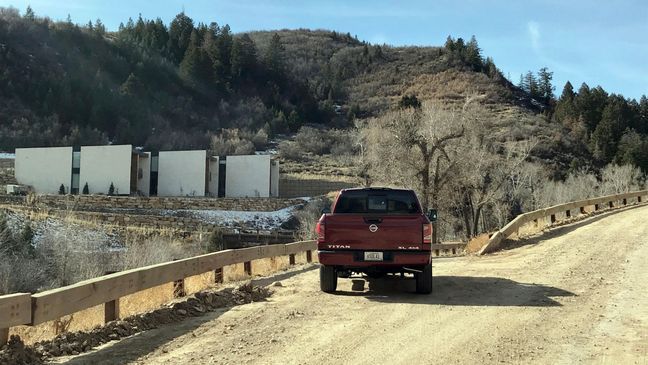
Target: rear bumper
(355, 258)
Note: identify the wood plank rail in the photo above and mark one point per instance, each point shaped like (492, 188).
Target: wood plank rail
(549, 216)
(34, 309)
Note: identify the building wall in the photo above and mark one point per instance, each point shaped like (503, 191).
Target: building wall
(212, 178)
(247, 176)
(182, 173)
(144, 182)
(101, 165)
(274, 179)
(45, 169)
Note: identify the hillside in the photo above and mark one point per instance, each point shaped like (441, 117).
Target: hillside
(141, 85)
(177, 86)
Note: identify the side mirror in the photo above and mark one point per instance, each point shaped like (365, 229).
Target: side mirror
(432, 215)
(326, 210)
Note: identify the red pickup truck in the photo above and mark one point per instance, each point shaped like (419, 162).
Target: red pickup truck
(375, 231)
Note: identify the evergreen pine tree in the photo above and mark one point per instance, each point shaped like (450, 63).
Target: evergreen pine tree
(545, 88)
(180, 36)
(111, 189)
(99, 28)
(449, 44)
(274, 54)
(243, 56)
(531, 84)
(565, 111)
(191, 61)
(86, 189)
(472, 55)
(29, 13)
(61, 190)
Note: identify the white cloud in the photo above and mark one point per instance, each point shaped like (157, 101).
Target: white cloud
(534, 32)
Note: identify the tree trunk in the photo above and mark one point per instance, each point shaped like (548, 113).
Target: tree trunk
(476, 219)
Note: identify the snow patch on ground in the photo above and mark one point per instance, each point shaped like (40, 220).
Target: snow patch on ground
(7, 155)
(56, 229)
(237, 219)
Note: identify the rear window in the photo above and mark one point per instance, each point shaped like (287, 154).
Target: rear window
(366, 202)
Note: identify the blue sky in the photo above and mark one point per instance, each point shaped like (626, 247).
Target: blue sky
(599, 42)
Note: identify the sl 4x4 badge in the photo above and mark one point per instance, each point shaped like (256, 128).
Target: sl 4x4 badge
(373, 228)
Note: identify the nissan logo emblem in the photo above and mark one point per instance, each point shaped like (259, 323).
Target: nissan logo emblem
(373, 228)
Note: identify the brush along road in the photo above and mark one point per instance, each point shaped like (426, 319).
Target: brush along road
(577, 295)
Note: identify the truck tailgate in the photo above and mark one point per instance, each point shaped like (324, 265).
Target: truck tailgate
(350, 231)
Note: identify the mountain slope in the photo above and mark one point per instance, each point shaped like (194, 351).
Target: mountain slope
(176, 86)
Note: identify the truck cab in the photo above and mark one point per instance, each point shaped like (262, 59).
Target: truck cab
(375, 231)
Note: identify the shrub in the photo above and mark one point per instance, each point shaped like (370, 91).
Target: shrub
(312, 140)
(231, 142)
(215, 241)
(309, 215)
(154, 250)
(111, 189)
(260, 140)
(61, 190)
(290, 151)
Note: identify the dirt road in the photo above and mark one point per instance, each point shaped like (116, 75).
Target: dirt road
(579, 294)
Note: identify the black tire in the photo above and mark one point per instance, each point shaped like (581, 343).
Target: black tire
(424, 280)
(328, 279)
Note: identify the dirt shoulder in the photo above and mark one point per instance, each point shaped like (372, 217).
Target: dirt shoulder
(578, 294)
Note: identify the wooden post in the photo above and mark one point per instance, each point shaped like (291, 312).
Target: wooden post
(639, 199)
(4, 336)
(568, 213)
(611, 205)
(625, 201)
(582, 210)
(553, 218)
(111, 308)
(291, 259)
(596, 207)
(247, 266)
(309, 256)
(218, 275)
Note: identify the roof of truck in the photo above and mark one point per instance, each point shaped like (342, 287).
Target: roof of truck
(375, 188)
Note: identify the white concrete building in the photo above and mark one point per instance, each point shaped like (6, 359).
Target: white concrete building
(102, 165)
(169, 173)
(44, 169)
(182, 173)
(251, 176)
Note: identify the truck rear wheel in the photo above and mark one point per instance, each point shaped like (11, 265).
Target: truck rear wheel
(328, 279)
(424, 280)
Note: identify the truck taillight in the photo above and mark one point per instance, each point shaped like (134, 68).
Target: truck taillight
(319, 229)
(427, 233)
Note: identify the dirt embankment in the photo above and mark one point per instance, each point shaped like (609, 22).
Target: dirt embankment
(575, 295)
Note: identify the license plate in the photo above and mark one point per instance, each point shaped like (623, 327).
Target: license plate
(373, 256)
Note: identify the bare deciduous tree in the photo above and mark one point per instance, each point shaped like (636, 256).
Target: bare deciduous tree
(416, 148)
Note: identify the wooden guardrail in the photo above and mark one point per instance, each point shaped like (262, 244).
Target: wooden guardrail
(34, 309)
(551, 214)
